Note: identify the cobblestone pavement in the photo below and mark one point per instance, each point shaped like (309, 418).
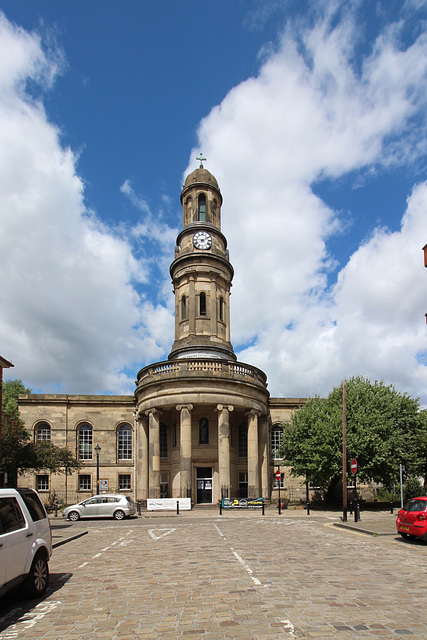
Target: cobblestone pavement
(236, 576)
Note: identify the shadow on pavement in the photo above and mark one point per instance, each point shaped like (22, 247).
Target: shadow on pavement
(15, 610)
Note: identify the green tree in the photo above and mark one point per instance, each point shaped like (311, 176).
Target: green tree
(19, 453)
(10, 392)
(385, 428)
(14, 435)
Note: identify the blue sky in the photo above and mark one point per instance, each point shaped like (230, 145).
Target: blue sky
(312, 116)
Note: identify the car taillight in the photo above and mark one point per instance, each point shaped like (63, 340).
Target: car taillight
(421, 516)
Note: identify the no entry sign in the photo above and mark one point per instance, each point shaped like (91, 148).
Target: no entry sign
(278, 475)
(353, 466)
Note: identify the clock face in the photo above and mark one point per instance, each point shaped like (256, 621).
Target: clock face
(202, 240)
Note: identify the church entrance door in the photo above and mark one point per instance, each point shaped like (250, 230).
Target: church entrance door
(204, 485)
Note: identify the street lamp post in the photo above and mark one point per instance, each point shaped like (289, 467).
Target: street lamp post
(97, 451)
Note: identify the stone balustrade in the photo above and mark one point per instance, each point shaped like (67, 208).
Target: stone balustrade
(211, 367)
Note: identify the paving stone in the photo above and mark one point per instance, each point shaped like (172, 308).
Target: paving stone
(300, 578)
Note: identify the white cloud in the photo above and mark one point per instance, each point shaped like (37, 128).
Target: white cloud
(71, 318)
(76, 307)
(314, 112)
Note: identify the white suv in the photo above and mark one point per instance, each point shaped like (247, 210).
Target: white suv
(25, 542)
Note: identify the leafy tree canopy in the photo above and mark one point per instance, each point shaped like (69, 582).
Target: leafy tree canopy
(10, 392)
(19, 453)
(385, 428)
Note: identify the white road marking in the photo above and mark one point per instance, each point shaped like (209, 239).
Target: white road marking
(117, 542)
(220, 532)
(166, 532)
(29, 619)
(247, 567)
(289, 627)
(125, 543)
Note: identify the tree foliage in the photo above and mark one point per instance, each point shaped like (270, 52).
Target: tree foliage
(10, 392)
(385, 428)
(19, 453)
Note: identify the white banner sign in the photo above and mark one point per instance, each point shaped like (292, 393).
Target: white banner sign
(168, 504)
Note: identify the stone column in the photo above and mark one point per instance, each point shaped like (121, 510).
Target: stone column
(154, 453)
(213, 306)
(141, 457)
(192, 306)
(224, 448)
(185, 448)
(264, 457)
(253, 460)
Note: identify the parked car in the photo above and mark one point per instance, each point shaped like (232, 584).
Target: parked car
(103, 506)
(25, 542)
(412, 519)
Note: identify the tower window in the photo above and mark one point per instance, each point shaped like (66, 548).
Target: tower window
(203, 304)
(184, 308)
(221, 308)
(201, 210)
(203, 431)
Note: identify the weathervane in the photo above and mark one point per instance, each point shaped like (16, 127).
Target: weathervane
(201, 160)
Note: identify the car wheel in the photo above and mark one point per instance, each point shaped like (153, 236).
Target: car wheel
(404, 535)
(119, 515)
(74, 516)
(35, 584)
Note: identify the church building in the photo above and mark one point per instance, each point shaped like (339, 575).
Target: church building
(200, 424)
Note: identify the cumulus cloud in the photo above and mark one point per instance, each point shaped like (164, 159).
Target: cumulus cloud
(78, 309)
(72, 318)
(317, 111)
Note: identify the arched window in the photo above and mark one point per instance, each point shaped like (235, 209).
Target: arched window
(85, 442)
(203, 431)
(243, 440)
(124, 442)
(163, 440)
(184, 308)
(221, 308)
(276, 440)
(42, 432)
(201, 209)
(202, 298)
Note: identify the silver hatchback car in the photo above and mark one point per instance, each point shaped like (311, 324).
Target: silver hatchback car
(102, 506)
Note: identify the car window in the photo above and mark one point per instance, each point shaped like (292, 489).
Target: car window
(33, 504)
(11, 517)
(417, 505)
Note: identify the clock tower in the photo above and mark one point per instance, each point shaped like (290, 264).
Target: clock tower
(201, 274)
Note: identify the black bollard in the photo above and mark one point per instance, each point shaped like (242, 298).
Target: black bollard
(357, 511)
(391, 506)
(220, 507)
(263, 509)
(177, 507)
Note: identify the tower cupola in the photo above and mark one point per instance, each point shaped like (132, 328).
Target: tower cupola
(201, 273)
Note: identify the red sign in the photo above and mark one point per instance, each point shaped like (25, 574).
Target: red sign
(278, 475)
(353, 466)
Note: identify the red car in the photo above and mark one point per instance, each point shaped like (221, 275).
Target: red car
(412, 519)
